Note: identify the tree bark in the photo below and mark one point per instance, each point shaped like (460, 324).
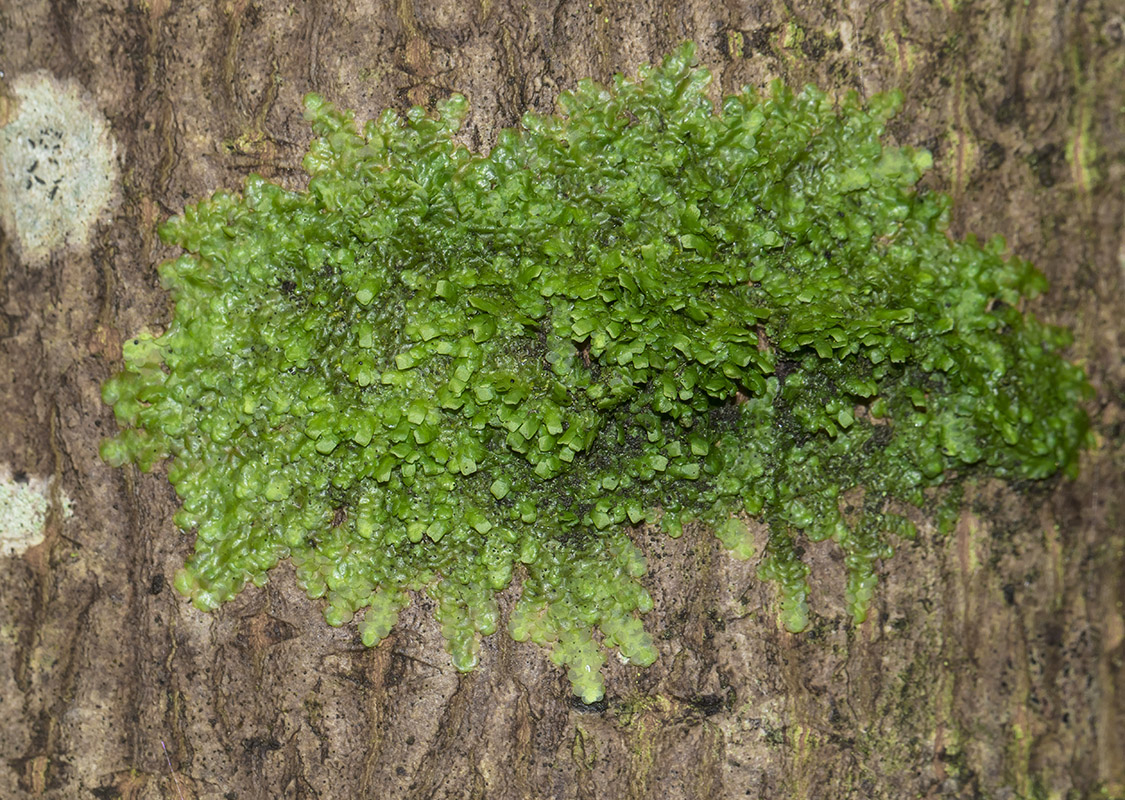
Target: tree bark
(991, 665)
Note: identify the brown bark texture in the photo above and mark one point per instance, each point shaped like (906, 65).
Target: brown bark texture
(991, 666)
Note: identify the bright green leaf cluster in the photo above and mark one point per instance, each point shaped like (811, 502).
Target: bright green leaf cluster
(434, 370)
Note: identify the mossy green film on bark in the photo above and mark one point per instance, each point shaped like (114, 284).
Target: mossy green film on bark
(435, 370)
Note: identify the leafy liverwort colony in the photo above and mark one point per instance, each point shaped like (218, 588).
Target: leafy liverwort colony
(438, 371)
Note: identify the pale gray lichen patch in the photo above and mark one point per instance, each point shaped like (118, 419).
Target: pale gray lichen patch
(58, 166)
(25, 502)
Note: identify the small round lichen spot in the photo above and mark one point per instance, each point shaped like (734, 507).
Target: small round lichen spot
(57, 166)
(24, 505)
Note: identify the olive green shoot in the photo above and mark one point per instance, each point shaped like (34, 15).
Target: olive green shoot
(442, 372)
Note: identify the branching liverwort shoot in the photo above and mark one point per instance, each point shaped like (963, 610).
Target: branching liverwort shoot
(438, 371)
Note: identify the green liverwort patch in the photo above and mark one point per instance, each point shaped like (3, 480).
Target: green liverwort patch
(436, 371)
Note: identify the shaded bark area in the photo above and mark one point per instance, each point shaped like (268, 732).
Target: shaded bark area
(992, 663)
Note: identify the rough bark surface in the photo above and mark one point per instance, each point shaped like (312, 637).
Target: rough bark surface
(992, 664)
